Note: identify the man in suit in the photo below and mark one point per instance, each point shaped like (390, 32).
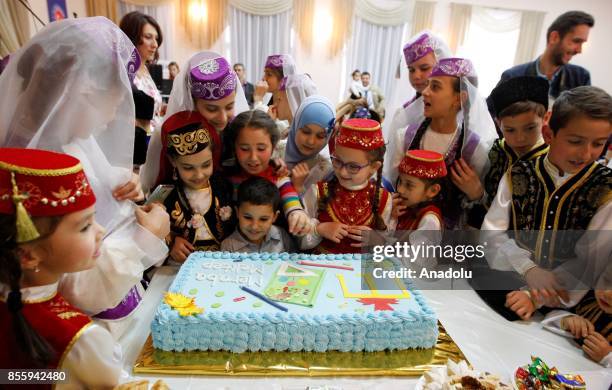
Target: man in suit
(249, 89)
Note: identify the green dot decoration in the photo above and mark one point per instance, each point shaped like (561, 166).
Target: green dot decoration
(219, 294)
(257, 304)
(215, 305)
(193, 291)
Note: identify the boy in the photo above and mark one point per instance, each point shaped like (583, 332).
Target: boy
(257, 209)
(542, 199)
(520, 105)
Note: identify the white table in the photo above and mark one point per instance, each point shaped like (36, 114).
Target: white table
(488, 341)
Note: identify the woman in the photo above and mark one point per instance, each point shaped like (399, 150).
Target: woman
(206, 84)
(146, 35)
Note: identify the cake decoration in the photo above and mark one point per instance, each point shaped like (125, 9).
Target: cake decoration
(283, 287)
(184, 305)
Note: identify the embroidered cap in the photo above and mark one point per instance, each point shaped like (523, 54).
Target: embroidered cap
(456, 67)
(284, 64)
(418, 49)
(424, 164)
(40, 183)
(360, 133)
(212, 79)
(519, 89)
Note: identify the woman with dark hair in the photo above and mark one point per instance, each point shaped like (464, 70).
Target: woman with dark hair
(146, 35)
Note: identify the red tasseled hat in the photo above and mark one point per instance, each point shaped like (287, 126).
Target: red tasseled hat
(424, 164)
(360, 133)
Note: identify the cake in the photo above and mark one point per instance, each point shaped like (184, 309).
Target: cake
(237, 301)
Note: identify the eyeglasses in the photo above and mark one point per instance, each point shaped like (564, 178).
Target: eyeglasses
(351, 168)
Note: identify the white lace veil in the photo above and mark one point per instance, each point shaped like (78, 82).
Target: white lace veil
(68, 90)
(298, 87)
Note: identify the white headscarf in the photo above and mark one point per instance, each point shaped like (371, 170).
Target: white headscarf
(68, 90)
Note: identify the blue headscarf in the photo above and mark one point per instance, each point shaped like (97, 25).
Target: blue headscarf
(316, 110)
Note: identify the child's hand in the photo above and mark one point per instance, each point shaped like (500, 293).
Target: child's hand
(333, 231)
(596, 346)
(520, 303)
(578, 326)
(545, 286)
(130, 190)
(280, 167)
(398, 208)
(154, 218)
(466, 179)
(299, 223)
(181, 249)
(261, 87)
(299, 173)
(356, 233)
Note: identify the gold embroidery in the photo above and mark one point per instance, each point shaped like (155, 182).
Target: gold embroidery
(62, 193)
(187, 143)
(68, 315)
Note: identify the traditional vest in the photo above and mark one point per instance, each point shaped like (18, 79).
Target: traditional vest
(54, 319)
(351, 208)
(555, 213)
(589, 308)
(178, 207)
(501, 157)
(412, 218)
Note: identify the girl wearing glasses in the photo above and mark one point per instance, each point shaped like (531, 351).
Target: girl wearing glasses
(351, 204)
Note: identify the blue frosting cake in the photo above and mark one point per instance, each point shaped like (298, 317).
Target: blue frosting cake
(207, 308)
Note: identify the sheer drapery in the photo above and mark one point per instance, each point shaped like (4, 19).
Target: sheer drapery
(203, 20)
(342, 16)
(147, 3)
(162, 12)
(384, 13)
(14, 26)
(255, 37)
(530, 29)
(106, 8)
(262, 7)
(376, 49)
(303, 18)
(422, 16)
(496, 20)
(460, 17)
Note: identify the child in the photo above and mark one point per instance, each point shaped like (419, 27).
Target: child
(257, 210)
(459, 127)
(48, 229)
(308, 136)
(563, 190)
(200, 203)
(254, 135)
(519, 105)
(351, 204)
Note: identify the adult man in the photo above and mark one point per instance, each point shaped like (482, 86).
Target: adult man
(564, 39)
(249, 89)
(373, 95)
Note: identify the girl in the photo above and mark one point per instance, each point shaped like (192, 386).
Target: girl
(459, 127)
(421, 53)
(206, 84)
(254, 135)
(200, 203)
(351, 203)
(308, 136)
(48, 229)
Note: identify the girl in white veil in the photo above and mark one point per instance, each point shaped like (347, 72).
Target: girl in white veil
(68, 90)
(207, 84)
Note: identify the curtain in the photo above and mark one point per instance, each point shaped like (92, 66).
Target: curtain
(162, 12)
(459, 23)
(342, 16)
(255, 37)
(531, 27)
(387, 13)
(147, 3)
(106, 8)
(14, 26)
(303, 17)
(376, 49)
(262, 7)
(203, 20)
(496, 20)
(422, 17)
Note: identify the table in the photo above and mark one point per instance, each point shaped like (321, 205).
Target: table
(488, 341)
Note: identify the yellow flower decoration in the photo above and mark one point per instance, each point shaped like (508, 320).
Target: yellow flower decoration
(184, 305)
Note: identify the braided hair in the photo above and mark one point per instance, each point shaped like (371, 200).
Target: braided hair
(32, 345)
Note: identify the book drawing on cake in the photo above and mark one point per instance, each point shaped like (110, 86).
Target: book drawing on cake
(288, 302)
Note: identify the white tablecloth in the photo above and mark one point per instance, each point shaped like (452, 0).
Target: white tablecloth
(489, 342)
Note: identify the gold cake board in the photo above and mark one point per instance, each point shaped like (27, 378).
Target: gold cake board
(412, 362)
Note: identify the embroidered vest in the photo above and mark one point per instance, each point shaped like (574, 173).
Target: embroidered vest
(501, 156)
(412, 218)
(58, 322)
(351, 208)
(555, 213)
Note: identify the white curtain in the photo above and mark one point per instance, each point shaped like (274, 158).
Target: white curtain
(255, 37)
(496, 20)
(422, 17)
(376, 49)
(163, 14)
(14, 26)
(385, 13)
(530, 28)
(262, 7)
(460, 17)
